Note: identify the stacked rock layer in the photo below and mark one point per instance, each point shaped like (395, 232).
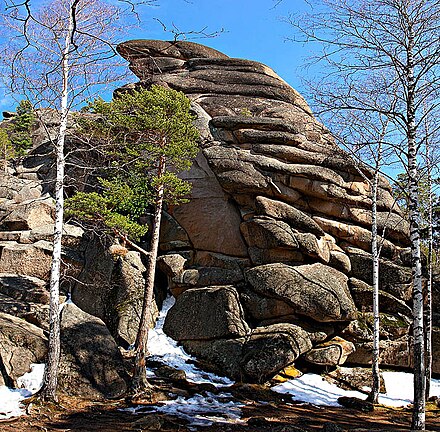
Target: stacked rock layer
(270, 259)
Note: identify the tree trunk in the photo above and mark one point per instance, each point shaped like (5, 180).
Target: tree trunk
(375, 387)
(50, 380)
(139, 381)
(428, 311)
(418, 419)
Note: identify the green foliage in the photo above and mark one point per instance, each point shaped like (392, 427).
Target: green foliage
(21, 128)
(145, 124)
(136, 130)
(111, 209)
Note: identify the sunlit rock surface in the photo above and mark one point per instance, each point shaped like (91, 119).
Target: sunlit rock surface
(278, 213)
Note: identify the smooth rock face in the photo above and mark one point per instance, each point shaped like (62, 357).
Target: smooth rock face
(91, 364)
(206, 313)
(286, 210)
(21, 344)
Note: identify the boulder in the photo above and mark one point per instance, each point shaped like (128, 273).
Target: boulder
(21, 344)
(393, 278)
(135, 49)
(32, 260)
(331, 353)
(222, 356)
(206, 313)
(91, 365)
(268, 234)
(316, 291)
(28, 215)
(272, 348)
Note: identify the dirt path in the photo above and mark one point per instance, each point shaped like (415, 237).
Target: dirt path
(78, 415)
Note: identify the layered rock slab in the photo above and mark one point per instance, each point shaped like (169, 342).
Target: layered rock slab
(270, 188)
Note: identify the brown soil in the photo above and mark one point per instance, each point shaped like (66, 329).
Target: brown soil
(73, 414)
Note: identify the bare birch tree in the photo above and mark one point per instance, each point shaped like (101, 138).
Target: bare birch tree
(58, 54)
(365, 137)
(396, 40)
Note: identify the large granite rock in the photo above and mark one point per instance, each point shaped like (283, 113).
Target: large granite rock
(277, 211)
(21, 344)
(91, 365)
(315, 290)
(206, 313)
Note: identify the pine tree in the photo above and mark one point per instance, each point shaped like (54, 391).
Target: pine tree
(149, 136)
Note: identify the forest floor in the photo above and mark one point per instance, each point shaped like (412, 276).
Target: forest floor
(277, 415)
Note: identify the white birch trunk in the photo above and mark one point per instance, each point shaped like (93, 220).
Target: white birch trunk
(428, 311)
(418, 419)
(50, 379)
(375, 387)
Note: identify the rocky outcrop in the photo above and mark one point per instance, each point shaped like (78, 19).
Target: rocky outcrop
(107, 286)
(269, 260)
(278, 213)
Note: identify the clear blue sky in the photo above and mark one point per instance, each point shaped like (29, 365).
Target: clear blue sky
(252, 29)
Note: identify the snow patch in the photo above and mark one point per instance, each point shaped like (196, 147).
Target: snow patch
(28, 384)
(199, 410)
(313, 389)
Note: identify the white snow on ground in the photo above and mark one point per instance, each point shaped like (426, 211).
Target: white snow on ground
(200, 410)
(313, 389)
(165, 349)
(10, 399)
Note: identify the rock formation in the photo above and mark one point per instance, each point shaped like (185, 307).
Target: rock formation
(270, 259)
(91, 364)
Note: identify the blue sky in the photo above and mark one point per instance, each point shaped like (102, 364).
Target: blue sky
(252, 29)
